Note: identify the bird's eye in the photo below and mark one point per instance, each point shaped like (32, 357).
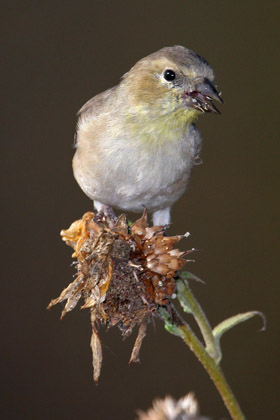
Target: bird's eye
(169, 75)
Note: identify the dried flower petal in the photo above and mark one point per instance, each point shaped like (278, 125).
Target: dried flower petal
(96, 348)
(137, 345)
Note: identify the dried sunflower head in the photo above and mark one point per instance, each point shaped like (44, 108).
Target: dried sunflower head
(123, 274)
(185, 408)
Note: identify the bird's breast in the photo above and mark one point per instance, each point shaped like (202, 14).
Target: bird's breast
(149, 167)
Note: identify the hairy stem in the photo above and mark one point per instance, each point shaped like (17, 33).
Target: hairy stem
(185, 332)
(191, 305)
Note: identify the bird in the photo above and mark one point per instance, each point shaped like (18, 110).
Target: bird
(136, 143)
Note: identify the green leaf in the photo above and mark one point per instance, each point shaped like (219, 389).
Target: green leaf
(231, 322)
(171, 328)
(186, 275)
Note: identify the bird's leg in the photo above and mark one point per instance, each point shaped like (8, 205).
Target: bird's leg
(106, 210)
(161, 217)
(98, 206)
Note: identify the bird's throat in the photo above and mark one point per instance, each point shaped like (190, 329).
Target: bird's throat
(165, 128)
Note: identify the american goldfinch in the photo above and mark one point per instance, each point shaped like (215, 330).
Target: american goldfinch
(136, 143)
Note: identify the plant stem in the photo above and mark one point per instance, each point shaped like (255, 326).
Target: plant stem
(214, 372)
(191, 305)
(213, 369)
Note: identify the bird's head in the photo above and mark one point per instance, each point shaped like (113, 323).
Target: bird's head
(172, 81)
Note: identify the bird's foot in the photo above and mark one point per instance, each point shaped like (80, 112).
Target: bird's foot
(105, 212)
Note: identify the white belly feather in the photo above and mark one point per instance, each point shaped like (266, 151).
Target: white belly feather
(156, 179)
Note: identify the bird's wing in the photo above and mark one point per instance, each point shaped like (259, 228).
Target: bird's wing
(96, 104)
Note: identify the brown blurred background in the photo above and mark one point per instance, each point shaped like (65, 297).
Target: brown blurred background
(55, 56)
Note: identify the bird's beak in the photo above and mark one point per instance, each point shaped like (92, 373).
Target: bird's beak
(202, 97)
